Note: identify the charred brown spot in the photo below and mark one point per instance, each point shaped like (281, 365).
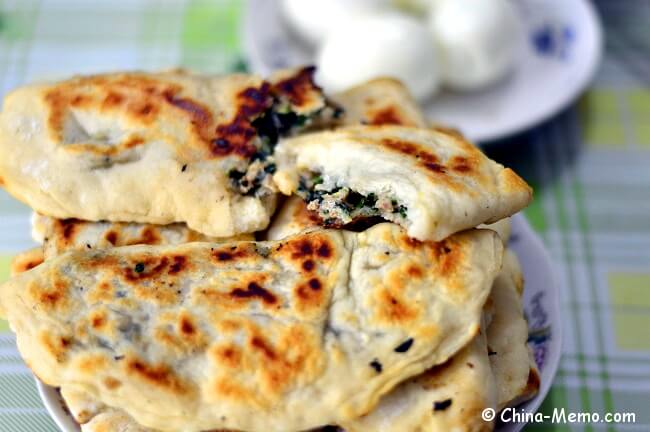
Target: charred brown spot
(231, 254)
(148, 236)
(2, 182)
(98, 321)
(111, 237)
(112, 99)
(437, 168)
(159, 375)
(234, 138)
(324, 251)
(31, 264)
(261, 345)
(297, 88)
(224, 256)
(133, 142)
(112, 383)
(68, 228)
(53, 297)
(80, 100)
(393, 309)
(254, 101)
(21, 265)
(254, 290)
(146, 109)
(386, 116)
(314, 284)
(179, 262)
(412, 242)
(146, 268)
(57, 346)
(186, 326)
(309, 296)
(461, 164)
(304, 249)
(57, 104)
(425, 158)
(200, 116)
(228, 355)
(447, 255)
(443, 248)
(414, 271)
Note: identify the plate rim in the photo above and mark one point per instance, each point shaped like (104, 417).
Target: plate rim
(593, 63)
(251, 52)
(551, 370)
(520, 226)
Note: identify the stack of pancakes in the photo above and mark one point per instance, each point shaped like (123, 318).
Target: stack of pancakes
(234, 253)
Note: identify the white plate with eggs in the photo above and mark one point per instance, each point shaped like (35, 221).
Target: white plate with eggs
(490, 68)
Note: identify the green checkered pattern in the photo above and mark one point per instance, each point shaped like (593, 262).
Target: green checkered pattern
(590, 166)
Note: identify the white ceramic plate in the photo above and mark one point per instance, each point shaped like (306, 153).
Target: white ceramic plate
(557, 60)
(541, 304)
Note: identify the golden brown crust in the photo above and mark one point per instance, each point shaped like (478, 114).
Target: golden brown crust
(86, 142)
(241, 335)
(144, 99)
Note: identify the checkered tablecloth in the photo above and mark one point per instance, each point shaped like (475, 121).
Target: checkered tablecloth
(590, 166)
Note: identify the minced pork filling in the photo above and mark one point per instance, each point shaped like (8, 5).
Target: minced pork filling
(338, 205)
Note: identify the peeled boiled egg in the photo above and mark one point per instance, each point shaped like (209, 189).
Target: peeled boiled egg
(313, 19)
(382, 45)
(478, 41)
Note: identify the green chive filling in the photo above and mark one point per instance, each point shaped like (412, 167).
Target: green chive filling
(339, 205)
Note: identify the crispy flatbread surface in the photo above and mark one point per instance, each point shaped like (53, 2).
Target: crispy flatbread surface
(252, 336)
(153, 147)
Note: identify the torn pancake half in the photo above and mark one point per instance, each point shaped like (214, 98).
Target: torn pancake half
(432, 183)
(252, 336)
(155, 148)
